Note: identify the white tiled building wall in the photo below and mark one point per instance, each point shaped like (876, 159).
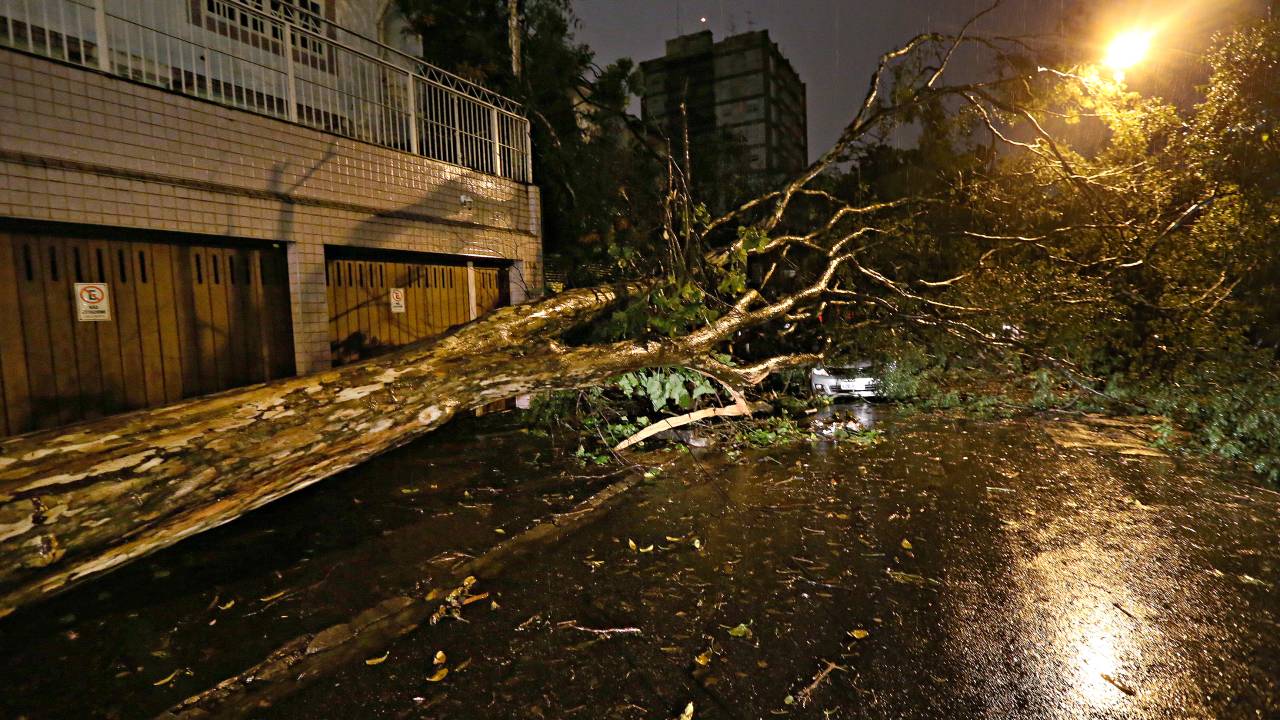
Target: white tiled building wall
(78, 146)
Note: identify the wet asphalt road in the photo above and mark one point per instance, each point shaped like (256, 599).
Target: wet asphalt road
(1010, 569)
(1040, 568)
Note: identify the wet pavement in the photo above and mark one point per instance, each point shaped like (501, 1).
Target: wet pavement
(1038, 568)
(214, 604)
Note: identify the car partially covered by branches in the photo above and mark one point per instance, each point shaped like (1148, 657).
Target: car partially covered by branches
(854, 380)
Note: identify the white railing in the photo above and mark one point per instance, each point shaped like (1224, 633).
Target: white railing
(275, 58)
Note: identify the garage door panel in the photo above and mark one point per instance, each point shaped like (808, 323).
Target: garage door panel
(234, 289)
(177, 366)
(13, 347)
(129, 327)
(72, 388)
(252, 309)
(99, 356)
(34, 317)
(150, 351)
(186, 319)
(436, 295)
(331, 298)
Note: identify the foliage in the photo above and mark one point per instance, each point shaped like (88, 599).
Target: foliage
(1068, 241)
(774, 431)
(1229, 404)
(861, 437)
(907, 374)
(1120, 253)
(599, 418)
(672, 307)
(677, 387)
(1044, 389)
(548, 411)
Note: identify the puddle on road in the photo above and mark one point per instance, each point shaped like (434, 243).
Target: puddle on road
(956, 569)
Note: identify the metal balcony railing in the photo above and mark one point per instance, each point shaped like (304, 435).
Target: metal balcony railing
(278, 58)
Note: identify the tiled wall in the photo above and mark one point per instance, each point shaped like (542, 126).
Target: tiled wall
(78, 146)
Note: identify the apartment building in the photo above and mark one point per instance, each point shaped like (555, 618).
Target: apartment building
(197, 195)
(743, 86)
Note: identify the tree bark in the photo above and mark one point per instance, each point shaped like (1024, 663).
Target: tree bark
(79, 501)
(513, 37)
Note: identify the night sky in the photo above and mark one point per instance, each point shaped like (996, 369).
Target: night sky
(834, 44)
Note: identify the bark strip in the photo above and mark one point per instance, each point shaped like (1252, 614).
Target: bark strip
(735, 410)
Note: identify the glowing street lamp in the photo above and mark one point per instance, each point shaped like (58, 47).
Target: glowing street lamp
(1127, 50)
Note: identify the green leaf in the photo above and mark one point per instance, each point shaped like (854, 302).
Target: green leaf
(627, 383)
(676, 392)
(702, 386)
(655, 389)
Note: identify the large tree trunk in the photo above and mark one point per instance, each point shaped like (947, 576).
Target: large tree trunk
(85, 499)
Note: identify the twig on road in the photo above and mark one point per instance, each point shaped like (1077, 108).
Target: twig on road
(606, 632)
(823, 584)
(804, 696)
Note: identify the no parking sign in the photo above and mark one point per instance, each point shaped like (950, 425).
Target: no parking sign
(93, 302)
(397, 300)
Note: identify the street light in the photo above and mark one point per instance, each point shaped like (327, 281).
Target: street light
(1127, 50)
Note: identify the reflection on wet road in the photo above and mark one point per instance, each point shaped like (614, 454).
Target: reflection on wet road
(956, 570)
(1026, 568)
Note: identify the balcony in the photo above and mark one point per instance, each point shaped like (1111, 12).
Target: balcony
(276, 59)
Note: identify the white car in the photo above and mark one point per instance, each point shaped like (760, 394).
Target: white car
(856, 380)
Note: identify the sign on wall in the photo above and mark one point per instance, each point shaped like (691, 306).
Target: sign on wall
(397, 300)
(93, 302)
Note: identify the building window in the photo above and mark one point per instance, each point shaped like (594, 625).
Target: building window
(232, 19)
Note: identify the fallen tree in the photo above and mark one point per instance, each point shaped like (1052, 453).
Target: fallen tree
(80, 501)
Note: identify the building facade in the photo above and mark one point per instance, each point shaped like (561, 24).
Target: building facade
(201, 194)
(742, 87)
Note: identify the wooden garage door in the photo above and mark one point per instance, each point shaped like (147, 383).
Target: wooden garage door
(185, 320)
(436, 298)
